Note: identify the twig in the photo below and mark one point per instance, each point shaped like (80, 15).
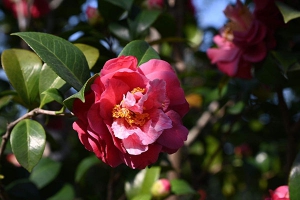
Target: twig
(30, 114)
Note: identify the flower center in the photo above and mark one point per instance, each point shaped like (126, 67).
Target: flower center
(132, 118)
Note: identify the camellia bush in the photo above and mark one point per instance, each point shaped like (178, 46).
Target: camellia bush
(132, 99)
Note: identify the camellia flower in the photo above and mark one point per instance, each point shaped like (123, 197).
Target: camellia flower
(155, 4)
(161, 188)
(281, 193)
(38, 9)
(132, 113)
(243, 41)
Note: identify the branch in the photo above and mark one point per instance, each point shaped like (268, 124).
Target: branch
(30, 114)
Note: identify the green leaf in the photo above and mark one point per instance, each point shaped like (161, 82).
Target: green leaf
(143, 21)
(181, 187)
(142, 183)
(52, 94)
(79, 95)
(66, 193)
(22, 68)
(91, 54)
(287, 12)
(122, 4)
(5, 100)
(28, 141)
(49, 79)
(142, 197)
(45, 172)
(84, 166)
(66, 60)
(294, 179)
(141, 50)
(120, 31)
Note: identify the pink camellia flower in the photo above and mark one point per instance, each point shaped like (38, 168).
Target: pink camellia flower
(38, 9)
(132, 113)
(155, 4)
(161, 188)
(243, 41)
(281, 193)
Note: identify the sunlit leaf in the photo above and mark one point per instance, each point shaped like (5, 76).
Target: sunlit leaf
(52, 94)
(84, 166)
(28, 141)
(141, 50)
(62, 56)
(91, 54)
(49, 79)
(22, 68)
(142, 183)
(287, 12)
(45, 172)
(294, 179)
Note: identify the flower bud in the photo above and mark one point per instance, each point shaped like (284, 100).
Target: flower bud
(161, 188)
(280, 193)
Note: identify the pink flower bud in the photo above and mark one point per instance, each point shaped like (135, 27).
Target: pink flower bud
(281, 193)
(161, 188)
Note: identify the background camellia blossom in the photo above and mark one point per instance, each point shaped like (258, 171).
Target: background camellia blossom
(280, 193)
(132, 113)
(244, 40)
(38, 9)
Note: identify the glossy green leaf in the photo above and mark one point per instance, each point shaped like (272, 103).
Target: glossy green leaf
(287, 12)
(141, 50)
(79, 95)
(22, 68)
(91, 54)
(142, 183)
(28, 141)
(122, 4)
(66, 193)
(66, 60)
(45, 172)
(143, 21)
(120, 31)
(181, 187)
(52, 94)
(84, 166)
(294, 179)
(49, 79)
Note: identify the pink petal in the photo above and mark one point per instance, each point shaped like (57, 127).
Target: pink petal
(134, 146)
(143, 160)
(172, 139)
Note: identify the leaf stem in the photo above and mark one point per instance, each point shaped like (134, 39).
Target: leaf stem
(30, 114)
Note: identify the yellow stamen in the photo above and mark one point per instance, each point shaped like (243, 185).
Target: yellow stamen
(138, 89)
(130, 116)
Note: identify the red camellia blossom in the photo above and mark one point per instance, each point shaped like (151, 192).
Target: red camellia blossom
(132, 113)
(281, 193)
(38, 9)
(243, 41)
